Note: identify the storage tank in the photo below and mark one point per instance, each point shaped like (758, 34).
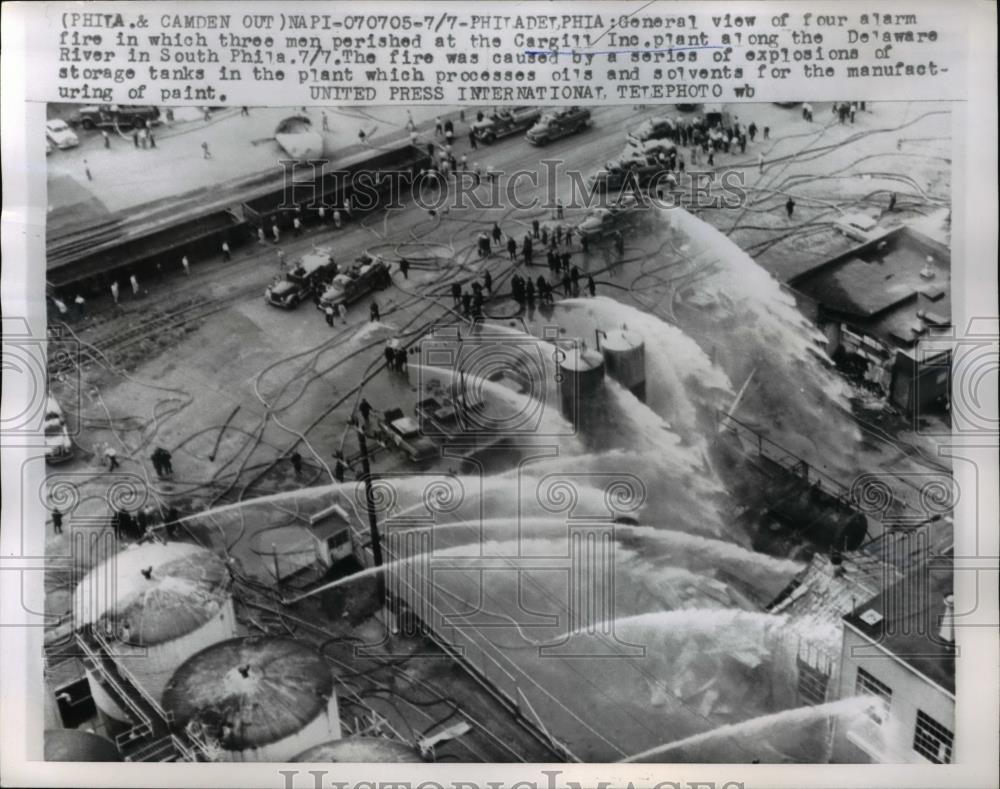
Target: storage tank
(361, 750)
(582, 379)
(74, 745)
(259, 699)
(625, 358)
(156, 605)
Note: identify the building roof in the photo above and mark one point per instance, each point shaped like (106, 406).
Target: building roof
(896, 288)
(159, 592)
(905, 620)
(250, 692)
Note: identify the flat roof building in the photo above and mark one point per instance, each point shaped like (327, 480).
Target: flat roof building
(899, 647)
(876, 303)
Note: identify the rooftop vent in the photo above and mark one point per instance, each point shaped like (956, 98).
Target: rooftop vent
(871, 617)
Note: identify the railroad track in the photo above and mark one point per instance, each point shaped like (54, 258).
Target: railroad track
(150, 326)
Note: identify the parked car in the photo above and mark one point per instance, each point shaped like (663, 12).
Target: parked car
(303, 281)
(601, 221)
(559, 123)
(114, 115)
(661, 128)
(60, 134)
(506, 122)
(404, 432)
(366, 275)
(58, 445)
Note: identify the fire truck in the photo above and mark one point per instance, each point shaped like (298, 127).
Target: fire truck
(367, 274)
(305, 279)
(505, 122)
(558, 123)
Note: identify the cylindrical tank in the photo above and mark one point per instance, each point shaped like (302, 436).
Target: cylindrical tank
(259, 699)
(156, 604)
(582, 378)
(361, 750)
(625, 358)
(74, 745)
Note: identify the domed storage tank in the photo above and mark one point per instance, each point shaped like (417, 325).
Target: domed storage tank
(582, 372)
(156, 604)
(625, 358)
(361, 750)
(74, 745)
(260, 699)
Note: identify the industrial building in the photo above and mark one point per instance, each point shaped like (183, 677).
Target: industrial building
(881, 304)
(899, 647)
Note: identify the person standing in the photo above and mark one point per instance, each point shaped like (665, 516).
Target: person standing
(401, 359)
(497, 233)
(135, 141)
(365, 409)
(760, 162)
(81, 306)
(390, 357)
(168, 466)
(244, 112)
(328, 311)
(57, 520)
(226, 254)
(337, 219)
(261, 237)
(152, 139)
(107, 138)
(512, 248)
(591, 286)
(296, 459)
(114, 291)
(86, 169)
(339, 467)
(767, 132)
(275, 232)
(157, 458)
(111, 455)
(297, 226)
(752, 130)
(472, 139)
(135, 285)
(373, 312)
(534, 228)
(456, 294)
(205, 153)
(404, 268)
(342, 311)
(790, 207)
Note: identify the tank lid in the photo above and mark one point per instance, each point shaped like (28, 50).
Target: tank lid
(581, 360)
(249, 692)
(360, 749)
(621, 340)
(75, 745)
(160, 592)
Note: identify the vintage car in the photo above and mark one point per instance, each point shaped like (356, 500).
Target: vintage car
(558, 123)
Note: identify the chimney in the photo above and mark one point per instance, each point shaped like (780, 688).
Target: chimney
(947, 631)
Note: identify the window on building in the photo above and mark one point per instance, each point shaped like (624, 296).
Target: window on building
(868, 685)
(812, 683)
(338, 539)
(932, 740)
